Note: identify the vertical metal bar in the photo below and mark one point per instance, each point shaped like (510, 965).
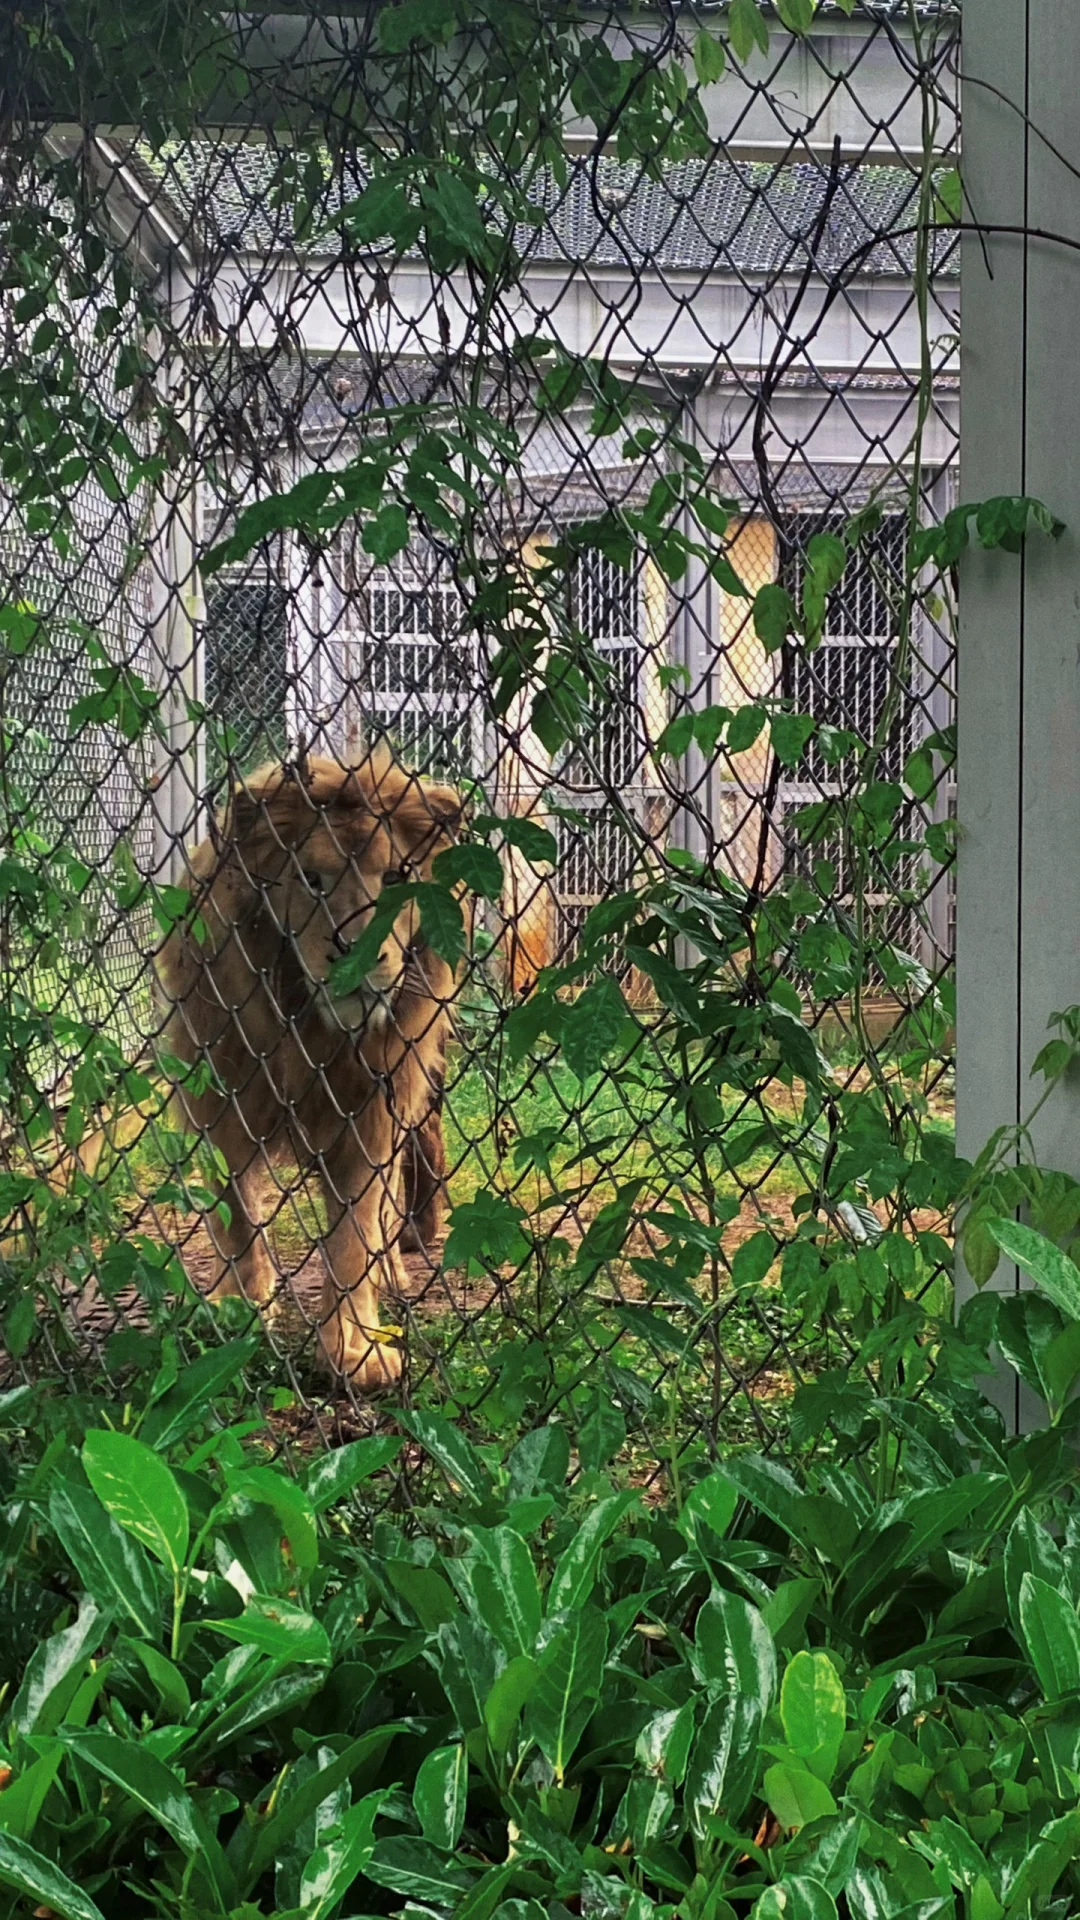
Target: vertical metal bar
(1019, 660)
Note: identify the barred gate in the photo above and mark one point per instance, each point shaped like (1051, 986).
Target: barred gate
(735, 312)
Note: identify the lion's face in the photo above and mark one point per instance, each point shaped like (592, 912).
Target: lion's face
(328, 905)
(324, 856)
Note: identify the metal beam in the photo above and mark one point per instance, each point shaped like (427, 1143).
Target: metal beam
(1018, 784)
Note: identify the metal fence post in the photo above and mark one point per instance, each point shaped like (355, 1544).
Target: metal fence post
(1018, 781)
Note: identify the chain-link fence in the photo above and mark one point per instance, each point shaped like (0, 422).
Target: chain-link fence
(577, 476)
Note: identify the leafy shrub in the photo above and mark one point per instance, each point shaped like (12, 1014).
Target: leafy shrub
(533, 1694)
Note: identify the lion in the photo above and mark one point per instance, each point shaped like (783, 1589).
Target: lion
(346, 1085)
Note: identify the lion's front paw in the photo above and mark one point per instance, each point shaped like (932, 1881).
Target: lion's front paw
(370, 1364)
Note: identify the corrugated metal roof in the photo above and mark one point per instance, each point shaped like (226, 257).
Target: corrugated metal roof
(701, 217)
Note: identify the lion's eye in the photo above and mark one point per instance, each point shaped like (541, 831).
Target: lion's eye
(315, 882)
(394, 877)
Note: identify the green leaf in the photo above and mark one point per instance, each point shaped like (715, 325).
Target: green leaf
(796, 1897)
(735, 1652)
(387, 534)
(798, 15)
(338, 1472)
(709, 61)
(484, 1232)
(331, 1869)
(140, 1492)
(111, 1565)
(55, 1671)
(450, 1449)
(274, 1834)
(1052, 1635)
(751, 1261)
(24, 1796)
(788, 735)
(424, 1590)
(473, 865)
(575, 1571)
(279, 1629)
(413, 1868)
(1044, 1263)
(797, 1796)
(502, 1708)
(813, 1710)
(288, 1501)
(155, 1788)
(724, 1763)
(441, 921)
(710, 1502)
(507, 1588)
(774, 616)
(167, 1680)
(746, 29)
(30, 1874)
(195, 1392)
(745, 726)
(948, 197)
(591, 1026)
(567, 1687)
(601, 1434)
(663, 1745)
(440, 1794)
(1030, 1548)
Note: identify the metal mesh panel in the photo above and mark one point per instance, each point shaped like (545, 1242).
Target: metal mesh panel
(438, 483)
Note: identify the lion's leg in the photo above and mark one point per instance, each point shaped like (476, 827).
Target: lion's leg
(245, 1266)
(361, 1181)
(424, 1181)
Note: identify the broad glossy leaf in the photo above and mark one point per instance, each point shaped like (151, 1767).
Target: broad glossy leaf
(263, 1701)
(796, 1897)
(813, 1710)
(111, 1565)
(724, 1763)
(22, 1799)
(663, 1745)
(413, 1868)
(735, 1652)
(1052, 1633)
(156, 1789)
(167, 1679)
(140, 1492)
(540, 1461)
(502, 1708)
(468, 1660)
(289, 1502)
(54, 1672)
(769, 1486)
(505, 1583)
(424, 1590)
(273, 1835)
(797, 1796)
(338, 1472)
(575, 1574)
(30, 1874)
(447, 1446)
(439, 1796)
(710, 1502)
(332, 1868)
(1030, 1548)
(196, 1389)
(1042, 1261)
(567, 1687)
(279, 1629)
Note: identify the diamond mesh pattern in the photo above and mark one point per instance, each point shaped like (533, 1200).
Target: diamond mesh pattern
(754, 300)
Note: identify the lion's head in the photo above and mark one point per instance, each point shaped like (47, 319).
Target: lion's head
(318, 844)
